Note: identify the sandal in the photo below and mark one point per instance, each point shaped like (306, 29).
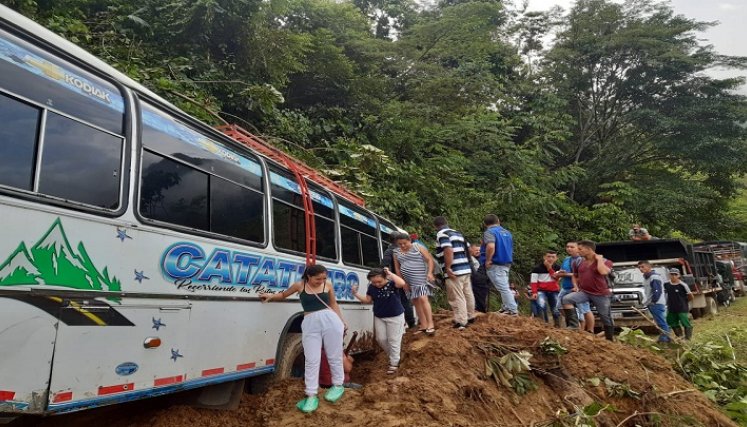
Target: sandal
(420, 331)
(391, 370)
(430, 331)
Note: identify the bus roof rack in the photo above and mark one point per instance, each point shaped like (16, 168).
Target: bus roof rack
(265, 148)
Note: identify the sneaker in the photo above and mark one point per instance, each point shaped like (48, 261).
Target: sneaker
(308, 405)
(461, 327)
(392, 370)
(472, 320)
(334, 393)
(503, 311)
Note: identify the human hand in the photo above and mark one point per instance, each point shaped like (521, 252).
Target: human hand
(574, 289)
(265, 297)
(354, 289)
(430, 278)
(388, 273)
(599, 257)
(488, 264)
(450, 274)
(533, 297)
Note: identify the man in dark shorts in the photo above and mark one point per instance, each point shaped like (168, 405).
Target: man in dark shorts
(590, 285)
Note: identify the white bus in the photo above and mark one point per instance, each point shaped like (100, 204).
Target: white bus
(135, 240)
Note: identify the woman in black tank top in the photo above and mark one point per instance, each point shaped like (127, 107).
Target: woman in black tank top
(322, 326)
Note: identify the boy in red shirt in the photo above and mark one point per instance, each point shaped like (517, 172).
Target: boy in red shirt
(545, 286)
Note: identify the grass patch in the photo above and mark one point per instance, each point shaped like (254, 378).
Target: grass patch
(730, 322)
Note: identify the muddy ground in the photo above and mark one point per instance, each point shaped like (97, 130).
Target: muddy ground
(443, 381)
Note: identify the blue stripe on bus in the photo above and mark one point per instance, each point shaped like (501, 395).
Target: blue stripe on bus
(155, 391)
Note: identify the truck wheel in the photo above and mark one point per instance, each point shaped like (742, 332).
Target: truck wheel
(291, 360)
(711, 306)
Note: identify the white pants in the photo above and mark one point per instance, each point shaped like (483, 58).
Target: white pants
(389, 331)
(322, 327)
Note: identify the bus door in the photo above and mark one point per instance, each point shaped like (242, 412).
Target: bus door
(27, 337)
(108, 353)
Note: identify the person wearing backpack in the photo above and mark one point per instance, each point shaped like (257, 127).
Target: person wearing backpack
(497, 255)
(452, 253)
(590, 279)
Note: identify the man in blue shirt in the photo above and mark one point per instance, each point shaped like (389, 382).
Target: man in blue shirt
(583, 310)
(497, 255)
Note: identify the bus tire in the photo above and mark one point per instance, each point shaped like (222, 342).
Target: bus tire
(290, 363)
(711, 306)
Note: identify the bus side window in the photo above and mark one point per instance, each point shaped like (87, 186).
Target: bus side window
(289, 222)
(357, 231)
(63, 127)
(190, 180)
(18, 142)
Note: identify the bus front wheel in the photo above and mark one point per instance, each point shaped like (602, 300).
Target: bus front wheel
(291, 360)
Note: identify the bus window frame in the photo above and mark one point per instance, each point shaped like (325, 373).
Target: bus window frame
(360, 244)
(318, 188)
(212, 133)
(124, 166)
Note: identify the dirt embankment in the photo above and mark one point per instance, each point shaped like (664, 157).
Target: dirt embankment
(443, 381)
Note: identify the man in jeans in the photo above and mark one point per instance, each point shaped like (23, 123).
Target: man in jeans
(452, 253)
(656, 300)
(496, 254)
(590, 285)
(583, 310)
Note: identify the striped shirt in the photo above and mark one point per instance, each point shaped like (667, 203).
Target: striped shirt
(412, 266)
(449, 238)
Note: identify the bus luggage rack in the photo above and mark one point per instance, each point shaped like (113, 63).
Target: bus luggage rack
(301, 171)
(263, 147)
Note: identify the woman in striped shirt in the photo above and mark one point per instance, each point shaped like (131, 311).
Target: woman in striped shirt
(415, 264)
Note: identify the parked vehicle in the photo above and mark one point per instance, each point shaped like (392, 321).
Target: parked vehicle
(698, 270)
(735, 255)
(136, 240)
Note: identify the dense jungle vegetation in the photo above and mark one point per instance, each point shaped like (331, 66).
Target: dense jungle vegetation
(567, 124)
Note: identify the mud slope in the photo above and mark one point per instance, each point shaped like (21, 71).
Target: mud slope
(443, 382)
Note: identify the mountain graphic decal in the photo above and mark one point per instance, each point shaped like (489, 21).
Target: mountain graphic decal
(53, 262)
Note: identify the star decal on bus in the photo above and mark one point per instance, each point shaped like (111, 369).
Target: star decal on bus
(140, 276)
(122, 234)
(157, 324)
(175, 354)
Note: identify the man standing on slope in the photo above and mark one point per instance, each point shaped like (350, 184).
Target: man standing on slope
(497, 255)
(452, 253)
(590, 285)
(656, 300)
(583, 310)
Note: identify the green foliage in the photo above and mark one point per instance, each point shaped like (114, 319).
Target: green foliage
(637, 338)
(456, 108)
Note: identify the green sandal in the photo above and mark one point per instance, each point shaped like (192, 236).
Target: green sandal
(308, 404)
(334, 393)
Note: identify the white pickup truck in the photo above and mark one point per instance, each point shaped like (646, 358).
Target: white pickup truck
(698, 271)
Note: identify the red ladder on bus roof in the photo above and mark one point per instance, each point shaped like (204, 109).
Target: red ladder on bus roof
(300, 171)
